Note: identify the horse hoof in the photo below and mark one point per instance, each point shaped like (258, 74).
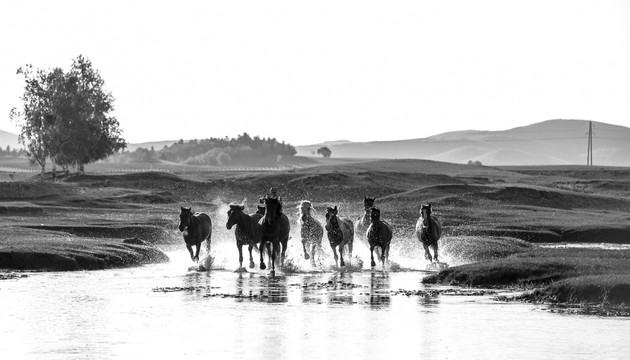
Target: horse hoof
(262, 266)
(306, 256)
(273, 273)
(342, 264)
(251, 265)
(373, 264)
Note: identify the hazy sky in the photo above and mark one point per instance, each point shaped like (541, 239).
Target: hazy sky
(311, 71)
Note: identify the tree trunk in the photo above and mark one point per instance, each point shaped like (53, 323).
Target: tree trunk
(81, 169)
(43, 173)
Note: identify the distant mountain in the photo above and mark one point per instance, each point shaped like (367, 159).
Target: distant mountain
(311, 150)
(7, 138)
(552, 142)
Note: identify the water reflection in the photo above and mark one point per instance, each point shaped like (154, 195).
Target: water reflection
(379, 290)
(106, 314)
(260, 288)
(197, 284)
(340, 288)
(310, 290)
(274, 289)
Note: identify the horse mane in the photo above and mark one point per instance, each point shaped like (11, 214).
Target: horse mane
(235, 206)
(305, 204)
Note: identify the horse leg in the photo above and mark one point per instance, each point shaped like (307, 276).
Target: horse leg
(350, 253)
(373, 264)
(198, 248)
(435, 251)
(240, 255)
(273, 254)
(262, 254)
(190, 251)
(313, 249)
(427, 253)
(335, 255)
(341, 262)
(306, 255)
(284, 252)
(251, 258)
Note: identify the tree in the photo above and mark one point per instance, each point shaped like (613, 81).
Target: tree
(324, 151)
(35, 118)
(67, 116)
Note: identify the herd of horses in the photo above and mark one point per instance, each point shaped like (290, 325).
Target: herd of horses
(267, 230)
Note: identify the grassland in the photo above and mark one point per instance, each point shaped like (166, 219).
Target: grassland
(494, 218)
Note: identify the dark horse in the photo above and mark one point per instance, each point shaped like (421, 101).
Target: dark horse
(247, 231)
(340, 234)
(428, 231)
(311, 231)
(196, 229)
(379, 234)
(363, 222)
(275, 229)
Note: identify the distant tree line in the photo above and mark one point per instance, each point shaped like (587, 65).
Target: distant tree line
(212, 151)
(8, 152)
(65, 118)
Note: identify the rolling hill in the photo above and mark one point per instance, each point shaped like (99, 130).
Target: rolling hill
(552, 142)
(7, 138)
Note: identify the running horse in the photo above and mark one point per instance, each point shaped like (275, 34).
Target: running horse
(363, 222)
(311, 231)
(379, 233)
(247, 231)
(196, 228)
(340, 234)
(428, 231)
(275, 229)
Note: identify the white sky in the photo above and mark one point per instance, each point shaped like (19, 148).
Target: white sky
(311, 71)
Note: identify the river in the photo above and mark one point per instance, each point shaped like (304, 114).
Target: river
(169, 311)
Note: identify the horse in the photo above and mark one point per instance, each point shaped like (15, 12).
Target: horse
(247, 231)
(311, 230)
(363, 222)
(275, 229)
(196, 228)
(340, 233)
(428, 231)
(379, 233)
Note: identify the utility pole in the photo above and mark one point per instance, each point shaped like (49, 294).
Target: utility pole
(589, 151)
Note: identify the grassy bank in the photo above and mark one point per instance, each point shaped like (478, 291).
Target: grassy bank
(47, 250)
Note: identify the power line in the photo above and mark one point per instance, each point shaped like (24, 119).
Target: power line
(589, 151)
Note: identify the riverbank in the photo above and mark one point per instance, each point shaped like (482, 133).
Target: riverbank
(595, 280)
(45, 250)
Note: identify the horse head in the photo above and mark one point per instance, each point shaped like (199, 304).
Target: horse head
(234, 214)
(184, 218)
(375, 215)
(368, 202)
(331, 217)
(273, 210)
(425, 211)
(260, 209)
(305, 209)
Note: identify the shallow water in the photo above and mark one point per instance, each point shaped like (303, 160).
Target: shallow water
(168, 311)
